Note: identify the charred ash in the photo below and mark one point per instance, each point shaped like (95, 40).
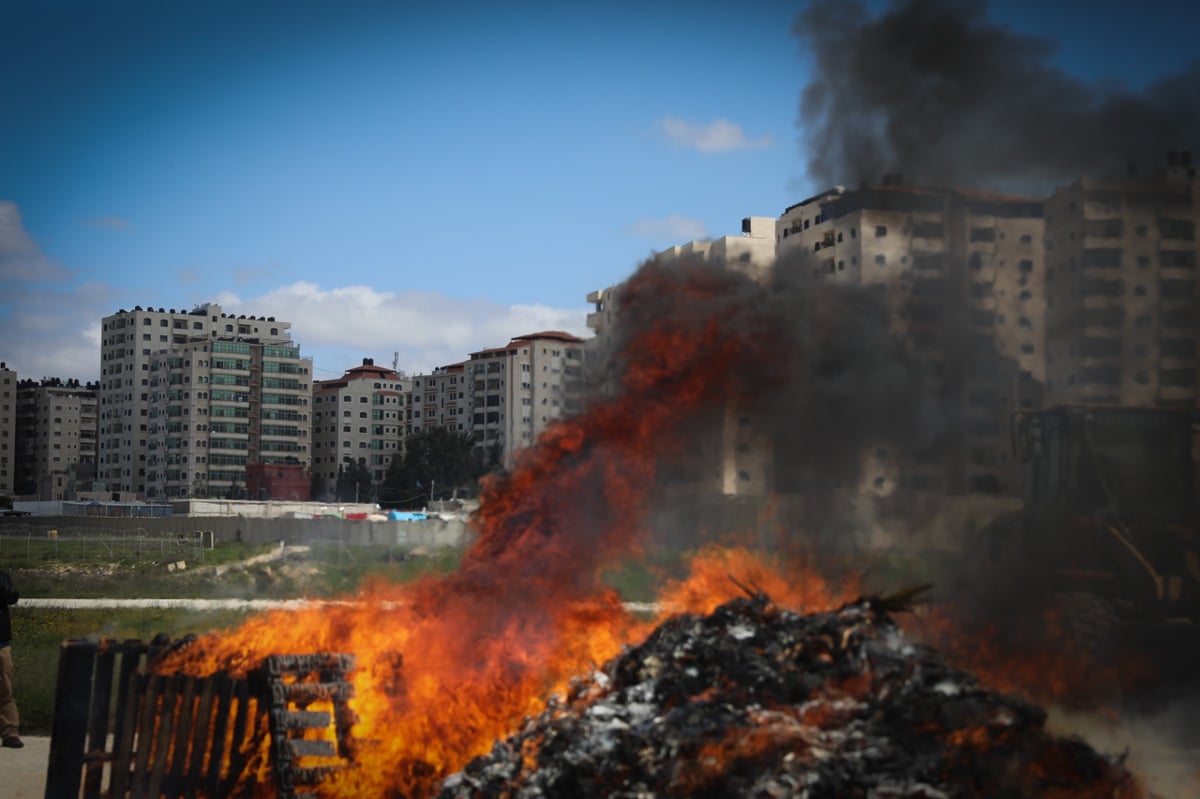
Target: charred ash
(756, 700)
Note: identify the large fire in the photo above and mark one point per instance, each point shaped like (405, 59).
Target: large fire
(445, 666)
(448, 665)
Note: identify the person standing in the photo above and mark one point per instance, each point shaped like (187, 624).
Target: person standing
(9, 720)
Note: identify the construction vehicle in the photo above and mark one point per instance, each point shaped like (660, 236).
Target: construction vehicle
(1108, 541)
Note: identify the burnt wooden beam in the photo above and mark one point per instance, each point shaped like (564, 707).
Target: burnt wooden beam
(68, 733)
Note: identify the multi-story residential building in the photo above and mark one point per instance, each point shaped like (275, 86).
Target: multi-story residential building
(359, 417)
(439, 399)
(1123, 322)
(222, 404)
(56, 438)
(962, 276)
(8, 429)
(753, 252)
(738, 464)
(188, 398)
(518, 390)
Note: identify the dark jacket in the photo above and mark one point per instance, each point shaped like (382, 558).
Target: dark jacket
(8, 596)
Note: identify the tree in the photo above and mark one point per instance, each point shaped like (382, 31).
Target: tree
(435, 463)
(354, 483)
(316, 487)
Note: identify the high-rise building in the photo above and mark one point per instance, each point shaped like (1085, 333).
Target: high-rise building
(961, 274)
(1123, 318)
(188, 398)
(439, 399)
(56, 438)
(8, 429)
(359, 417)
(518, 390)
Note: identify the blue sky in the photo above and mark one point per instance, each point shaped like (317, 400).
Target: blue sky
(427, 179)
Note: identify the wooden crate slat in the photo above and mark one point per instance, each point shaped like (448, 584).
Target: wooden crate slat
(68, 733)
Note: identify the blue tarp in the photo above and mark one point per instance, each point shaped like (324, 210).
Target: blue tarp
(406, 516)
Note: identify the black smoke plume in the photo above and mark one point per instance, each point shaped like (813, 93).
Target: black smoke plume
(934, 90)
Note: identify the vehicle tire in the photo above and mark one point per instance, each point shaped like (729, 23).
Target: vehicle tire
(1085, 626)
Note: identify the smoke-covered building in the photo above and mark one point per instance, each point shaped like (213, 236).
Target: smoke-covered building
(962, 278)
(8, 429)
(55, 438)
(737, 462)
(1123, 320)
(359, 417)
(518, 390)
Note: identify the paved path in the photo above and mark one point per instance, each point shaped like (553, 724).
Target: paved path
(23, 771)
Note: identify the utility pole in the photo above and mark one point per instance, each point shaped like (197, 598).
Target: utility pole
(432, 483)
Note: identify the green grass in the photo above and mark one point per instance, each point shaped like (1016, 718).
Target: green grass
(640, 578)
(38, 634)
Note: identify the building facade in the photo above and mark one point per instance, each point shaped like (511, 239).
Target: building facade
(1124, 316)
(359, 417)
(439, 399)
(518, 390)
(188, 398)
(8, 429)
(962, 278)
(55, 439)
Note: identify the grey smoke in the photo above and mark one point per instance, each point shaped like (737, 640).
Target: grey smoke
(820, 375)
(934, 90)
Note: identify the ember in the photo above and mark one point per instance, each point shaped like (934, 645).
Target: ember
(755, 700)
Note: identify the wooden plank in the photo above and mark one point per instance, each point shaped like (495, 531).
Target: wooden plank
(97, 746)
(68, 732)
(131, 652)
(223, 689)
(150, 687)
(184, 736)
(292, 749)
(300, 719)
(201, 732)
(164, 737)
(242, 743)
(129, 703)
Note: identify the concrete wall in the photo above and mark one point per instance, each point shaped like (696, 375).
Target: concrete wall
(436, 532)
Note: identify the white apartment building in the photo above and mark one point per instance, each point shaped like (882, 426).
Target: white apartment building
(359, 417)
(962, 276)
(8, 429)
(56, 438)
(439, 399)
(753, 252)
(1124, 313)
(188, 398)
(518, 390)
(736, 462)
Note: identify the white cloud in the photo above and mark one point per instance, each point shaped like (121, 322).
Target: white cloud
(65, 324)
(20, 256)
(674, 228)
(718, 136)
(340, 326)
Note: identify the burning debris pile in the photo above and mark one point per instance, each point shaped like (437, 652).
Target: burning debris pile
(755, 700)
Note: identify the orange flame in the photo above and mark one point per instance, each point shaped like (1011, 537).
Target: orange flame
(446, 666)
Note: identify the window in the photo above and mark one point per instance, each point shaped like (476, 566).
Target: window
(1183, 229)
(880, 231)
